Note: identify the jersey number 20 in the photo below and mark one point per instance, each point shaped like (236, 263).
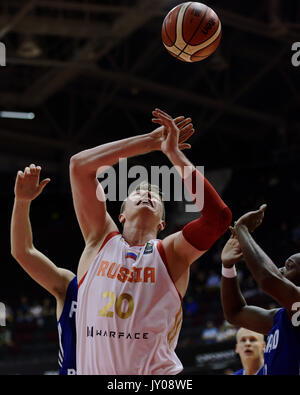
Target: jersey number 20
(117, 301)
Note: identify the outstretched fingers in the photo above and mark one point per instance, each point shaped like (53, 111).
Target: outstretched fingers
(157, 120)
(184, 146)
(261, 211)
(43, 184)
(158, 114)
(20, 174)
(260, 214)
(263, 208)
(161, 113)
(163, 121)
(32, 170)
(178, 120)
(184, 123)
(27, 171)
(186, 132)
(181, 121)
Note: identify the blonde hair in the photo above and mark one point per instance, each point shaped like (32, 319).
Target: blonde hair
(256, 333)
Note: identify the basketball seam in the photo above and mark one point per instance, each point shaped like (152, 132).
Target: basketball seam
(196, 56)
(202, 42)
(198, 27)
(182, 29)
(190, 54)
(182, 51)
(164, 25)
(176, 24)
(199, 56)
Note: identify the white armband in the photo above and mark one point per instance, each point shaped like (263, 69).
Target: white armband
(229, 272)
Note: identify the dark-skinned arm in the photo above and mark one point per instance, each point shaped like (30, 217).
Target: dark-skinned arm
(265, 272)
(235, 308)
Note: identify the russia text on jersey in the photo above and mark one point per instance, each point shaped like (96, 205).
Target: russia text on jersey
(135, 274)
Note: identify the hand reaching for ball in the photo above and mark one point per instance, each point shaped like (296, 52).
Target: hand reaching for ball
(173, 133)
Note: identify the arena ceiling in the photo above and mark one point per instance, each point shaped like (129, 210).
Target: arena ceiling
(92, 71)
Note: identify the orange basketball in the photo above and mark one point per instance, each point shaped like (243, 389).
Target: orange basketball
(191, 31)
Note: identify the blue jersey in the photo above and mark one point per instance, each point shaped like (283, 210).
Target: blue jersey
(282, 353)
(260, 372)
(67, 331)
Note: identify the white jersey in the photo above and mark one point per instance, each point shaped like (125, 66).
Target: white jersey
(129, 312)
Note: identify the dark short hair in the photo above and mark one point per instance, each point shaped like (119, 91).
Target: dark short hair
(146, 186)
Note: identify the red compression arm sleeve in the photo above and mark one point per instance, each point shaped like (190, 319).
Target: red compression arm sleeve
(215, 215)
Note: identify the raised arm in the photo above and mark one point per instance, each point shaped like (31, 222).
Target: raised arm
(184, 247)
(37, 265)
(235, 308)
(90, 209)
(268, 277)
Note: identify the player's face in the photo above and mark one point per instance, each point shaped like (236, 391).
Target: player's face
(144, 201)
(291, 269)
(250, 344)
